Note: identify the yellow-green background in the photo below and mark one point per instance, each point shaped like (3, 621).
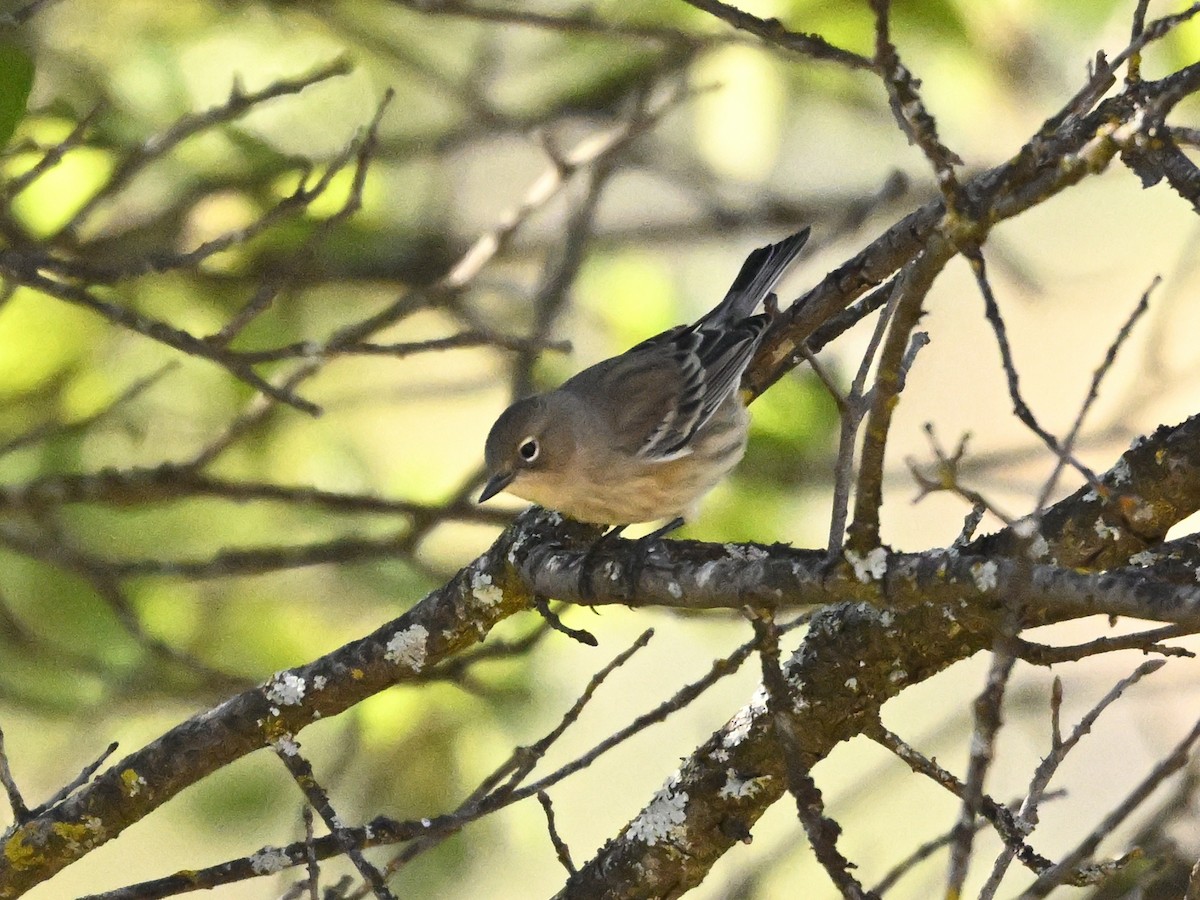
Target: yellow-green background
(765, 126)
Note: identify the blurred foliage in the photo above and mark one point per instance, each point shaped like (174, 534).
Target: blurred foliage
(767, 143)
(16, 80)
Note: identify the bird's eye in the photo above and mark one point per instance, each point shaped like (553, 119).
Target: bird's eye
(529, 449)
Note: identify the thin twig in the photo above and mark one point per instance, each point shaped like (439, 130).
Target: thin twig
(187, 126)
(810, 806)
(1093, 393)
(50, 430)
(911, 288)
(774, 33)
(15, 800)
(1146, 641)
(1174, 761)
(983, 739)
(1027, 815)
(77, 782)
(1020, 408)
(301, 771)
(561, 850)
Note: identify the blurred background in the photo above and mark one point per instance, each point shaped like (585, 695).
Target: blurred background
(122, 617)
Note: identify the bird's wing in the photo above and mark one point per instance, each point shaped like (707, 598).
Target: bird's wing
(646, 398)
(663, 390)
(666, 388)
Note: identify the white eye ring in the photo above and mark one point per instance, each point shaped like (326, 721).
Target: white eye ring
(529, 449)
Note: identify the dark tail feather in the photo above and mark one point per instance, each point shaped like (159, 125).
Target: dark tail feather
(760, 273)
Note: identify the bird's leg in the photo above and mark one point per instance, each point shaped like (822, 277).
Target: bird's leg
(641, 547)
(674, 525)
(589, 561)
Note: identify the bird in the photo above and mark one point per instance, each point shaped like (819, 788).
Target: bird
(645, 435)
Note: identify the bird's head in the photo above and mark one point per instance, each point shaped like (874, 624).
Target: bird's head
(529, 451)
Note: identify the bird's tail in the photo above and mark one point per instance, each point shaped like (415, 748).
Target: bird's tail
(759, 274)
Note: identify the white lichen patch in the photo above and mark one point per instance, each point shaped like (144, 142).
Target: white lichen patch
(1025, 528)
(1145, 558)
(1106, 531)
(736, 786)
(746, 553)
(319, 682)
(852, 684)
(896, 676)
(739, 726)
(286, 745)
(269, 860)
(485, 590)
(869, 567)
(663, 819)
(515, 548)
(286, 689)
(1091, 496)
(705, 573)
(1039, 547)
(674, 589)
(984, 575)
(407, 647)
(1120, 473)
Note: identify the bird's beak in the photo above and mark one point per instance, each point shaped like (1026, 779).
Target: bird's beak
(496, 484)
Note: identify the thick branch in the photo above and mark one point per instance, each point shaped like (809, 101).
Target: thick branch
(446, 622)
(853, 659)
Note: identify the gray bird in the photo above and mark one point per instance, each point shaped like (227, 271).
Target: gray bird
(645, 435)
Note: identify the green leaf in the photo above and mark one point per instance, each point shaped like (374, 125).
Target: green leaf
(16, 80)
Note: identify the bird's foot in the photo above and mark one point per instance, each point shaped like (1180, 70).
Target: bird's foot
(588, 565)
(641, 549)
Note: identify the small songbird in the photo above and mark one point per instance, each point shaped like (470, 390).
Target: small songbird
(645, 435)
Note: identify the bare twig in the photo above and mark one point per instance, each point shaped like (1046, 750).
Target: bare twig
(301, 771)
(75, 783)
(987, 726)
(914, 120)
(51, 157)
(912, 285)
(542, 605)
(181, 129)
(1146, 641)
(1110, 357)
(560, 848)
(999, 816)
(822, 831)
(946, 478)
(1020, 408)
(50, 430)
(15, 800)
(774, 33)
(1027, 816)
(1173, 762)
